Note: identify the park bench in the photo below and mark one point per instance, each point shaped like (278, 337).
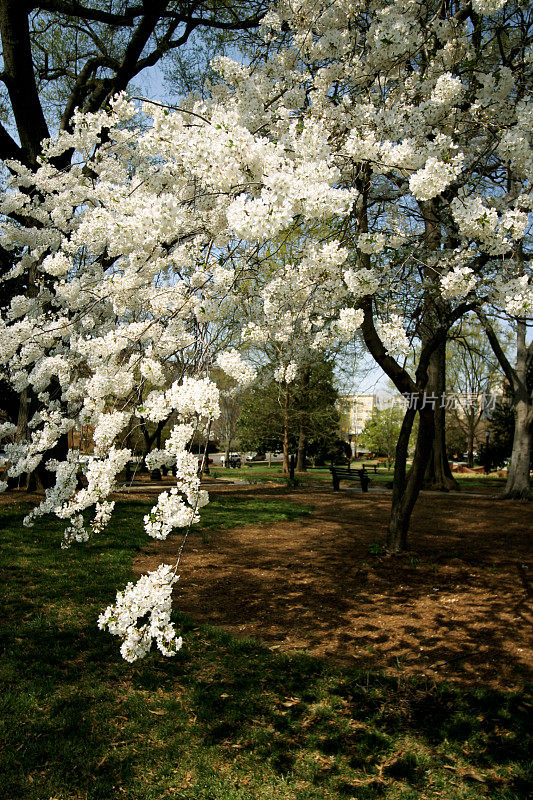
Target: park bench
(371, 466)
(344, 473)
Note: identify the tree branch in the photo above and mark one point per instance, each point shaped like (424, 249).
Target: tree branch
(510, 372)
(20, 78)
(136, 45)
(8, 147)
(74, 9)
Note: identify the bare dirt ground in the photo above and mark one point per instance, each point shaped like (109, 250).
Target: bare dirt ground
(458, 607)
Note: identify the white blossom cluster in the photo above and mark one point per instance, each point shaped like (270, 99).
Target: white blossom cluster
(392, 334)
(151, 599)
(349, 321)
(232, 363)
(286, 373)
(457, 283)
(515, 295)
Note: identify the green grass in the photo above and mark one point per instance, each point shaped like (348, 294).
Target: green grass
(261, 473)
(225, 719)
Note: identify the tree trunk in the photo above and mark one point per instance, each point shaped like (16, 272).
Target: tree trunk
(20, 78)
(517, 486)
(302, 446)
(438, 473)
(470, 459)
(286, 464)
(407, 485)
(303, 415)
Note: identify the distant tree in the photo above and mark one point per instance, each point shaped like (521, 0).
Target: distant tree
(300, 415)
(260, 425)
(316, 414)
(381, 432)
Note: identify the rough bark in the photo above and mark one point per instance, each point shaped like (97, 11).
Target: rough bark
(20, 79)
(407, 486)
(518, 480)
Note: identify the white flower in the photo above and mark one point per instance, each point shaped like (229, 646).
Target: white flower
(392, 334)
(435, 177)
(286, 373)
(350, 319)
(234, 366)
(149, 599)
(169, 513)
(361, 282)
(457, 283)
(447, 89)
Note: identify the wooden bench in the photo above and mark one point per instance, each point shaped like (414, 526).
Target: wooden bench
(371, 466)
(346, 474)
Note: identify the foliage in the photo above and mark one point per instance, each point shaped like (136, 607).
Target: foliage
(381, 432)
(312, 404)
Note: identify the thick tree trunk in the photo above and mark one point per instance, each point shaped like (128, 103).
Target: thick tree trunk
(20, 78)
(286, 465)
(438, 473)
(518, 483)
(517, 486)
(407, 485)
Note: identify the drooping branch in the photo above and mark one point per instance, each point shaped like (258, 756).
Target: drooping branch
(399, 376)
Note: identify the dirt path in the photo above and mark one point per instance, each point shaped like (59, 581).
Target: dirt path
(458, 607)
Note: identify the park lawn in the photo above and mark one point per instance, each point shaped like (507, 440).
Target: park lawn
(260, 473)
(225, 718)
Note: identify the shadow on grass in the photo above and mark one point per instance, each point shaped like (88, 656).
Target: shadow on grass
(226, 718)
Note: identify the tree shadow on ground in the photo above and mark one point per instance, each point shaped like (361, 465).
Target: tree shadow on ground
(458, 606)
